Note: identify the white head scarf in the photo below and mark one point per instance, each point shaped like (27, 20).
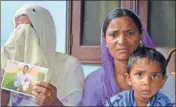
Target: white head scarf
(45, 38)
(23, 46)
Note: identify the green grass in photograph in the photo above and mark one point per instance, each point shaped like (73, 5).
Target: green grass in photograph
(10, 77)
(29, 91)
(9, 81)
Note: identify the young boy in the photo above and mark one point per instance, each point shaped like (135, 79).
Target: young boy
(146, 74)
(23, 79)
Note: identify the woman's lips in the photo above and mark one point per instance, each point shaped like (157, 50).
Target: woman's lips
(122, 50)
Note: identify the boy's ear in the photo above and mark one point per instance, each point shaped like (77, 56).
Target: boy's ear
(128, 79)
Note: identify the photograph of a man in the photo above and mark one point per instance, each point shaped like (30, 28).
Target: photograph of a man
(20, 77)
(23, 80)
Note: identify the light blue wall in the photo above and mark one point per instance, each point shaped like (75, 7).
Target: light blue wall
(58, 11)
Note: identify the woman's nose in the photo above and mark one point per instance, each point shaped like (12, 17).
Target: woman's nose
(121, 39)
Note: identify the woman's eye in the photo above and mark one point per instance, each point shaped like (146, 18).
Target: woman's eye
(113, 35)
(131, 33)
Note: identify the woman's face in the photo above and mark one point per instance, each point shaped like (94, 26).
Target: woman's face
(122, 37)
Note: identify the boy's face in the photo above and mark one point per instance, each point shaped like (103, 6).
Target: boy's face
(145, 78)
(25, 69)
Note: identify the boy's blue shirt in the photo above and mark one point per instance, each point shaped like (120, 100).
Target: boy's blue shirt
(125, 98)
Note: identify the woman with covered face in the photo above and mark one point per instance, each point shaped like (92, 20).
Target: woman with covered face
(33, 41)
(122, 32)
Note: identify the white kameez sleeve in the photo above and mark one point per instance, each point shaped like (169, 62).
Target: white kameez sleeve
(73, 99)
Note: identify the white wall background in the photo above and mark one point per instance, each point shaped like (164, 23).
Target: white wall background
(58, 11)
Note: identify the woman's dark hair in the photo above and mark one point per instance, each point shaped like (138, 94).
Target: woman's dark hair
(115, 13)
(150, 54)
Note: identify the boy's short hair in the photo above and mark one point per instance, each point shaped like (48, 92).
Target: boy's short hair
(26, 66)
(151, 55)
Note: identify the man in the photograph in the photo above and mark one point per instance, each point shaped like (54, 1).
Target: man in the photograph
(23, 79)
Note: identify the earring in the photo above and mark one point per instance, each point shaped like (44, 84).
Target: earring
(141, 43)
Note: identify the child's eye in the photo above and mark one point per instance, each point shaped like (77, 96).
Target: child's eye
(156, 76)
(139, 74)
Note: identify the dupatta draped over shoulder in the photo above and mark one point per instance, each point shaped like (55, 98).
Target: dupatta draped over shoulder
(100, 85)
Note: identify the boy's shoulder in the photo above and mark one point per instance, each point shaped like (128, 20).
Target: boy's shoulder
(161, 100)
(161, 95)
(121, 94)
(121, 98)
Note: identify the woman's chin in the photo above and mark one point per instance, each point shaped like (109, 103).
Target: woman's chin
(122, 58)
(122, 55)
